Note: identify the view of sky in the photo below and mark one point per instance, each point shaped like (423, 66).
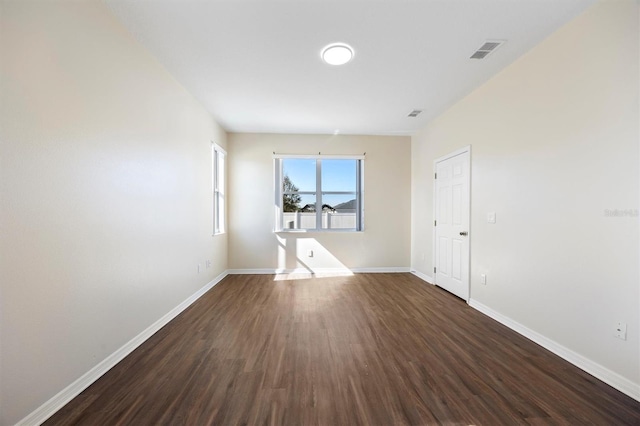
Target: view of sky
(336, 175)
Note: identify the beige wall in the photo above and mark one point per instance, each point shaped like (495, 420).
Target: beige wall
(554, 143)
(105, 186)
(383, 244)
(106, 195)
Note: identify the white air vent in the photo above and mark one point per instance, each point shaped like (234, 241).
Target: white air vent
(479, 54)
(487, 47)
(414, 113)
(490, 45)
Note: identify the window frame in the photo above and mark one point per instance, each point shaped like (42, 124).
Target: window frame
(218, 163)
(319, 193)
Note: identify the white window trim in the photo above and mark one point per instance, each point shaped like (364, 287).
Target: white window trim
(219, 192)
(278, 182)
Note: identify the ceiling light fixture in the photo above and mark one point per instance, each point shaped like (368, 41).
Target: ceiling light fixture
(337, 54)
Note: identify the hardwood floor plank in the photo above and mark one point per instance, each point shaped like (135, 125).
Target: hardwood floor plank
(374, 349)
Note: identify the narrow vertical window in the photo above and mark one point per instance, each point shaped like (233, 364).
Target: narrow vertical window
(218, 158)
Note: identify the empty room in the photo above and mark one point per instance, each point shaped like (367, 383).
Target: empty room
(319, 212)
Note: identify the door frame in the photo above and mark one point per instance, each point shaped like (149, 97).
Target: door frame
(433, 200)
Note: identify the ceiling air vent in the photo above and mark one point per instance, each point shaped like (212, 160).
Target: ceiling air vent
(414, 113)
(486, 48)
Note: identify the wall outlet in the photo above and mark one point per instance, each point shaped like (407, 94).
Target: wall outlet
(483, 279)
(491, 217)
(208, 264)
(310, 253)
(621, 330)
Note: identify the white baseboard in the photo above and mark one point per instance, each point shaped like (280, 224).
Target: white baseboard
(390, 269)
(422, 276)
(252, 271)
(387, 270)
(613, 379)
(58, 401)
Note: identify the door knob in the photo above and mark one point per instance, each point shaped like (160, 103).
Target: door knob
(464, 233)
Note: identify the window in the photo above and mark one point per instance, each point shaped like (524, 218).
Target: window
(319, 193)
(218, 159)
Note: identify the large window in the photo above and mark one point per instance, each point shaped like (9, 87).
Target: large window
(319, 193)
(218, 159)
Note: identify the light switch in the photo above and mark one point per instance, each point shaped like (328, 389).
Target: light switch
(491, 217)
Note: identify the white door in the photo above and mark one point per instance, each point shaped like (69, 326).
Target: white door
(451, 226)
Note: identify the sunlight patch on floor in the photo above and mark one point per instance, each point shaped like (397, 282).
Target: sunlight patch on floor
(287, 276)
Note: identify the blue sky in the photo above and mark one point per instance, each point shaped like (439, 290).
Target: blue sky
(337, 175)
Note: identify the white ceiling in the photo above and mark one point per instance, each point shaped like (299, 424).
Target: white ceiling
(256, 65)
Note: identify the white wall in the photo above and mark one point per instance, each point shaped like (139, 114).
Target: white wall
(555, 143)
(383, 244)
(106, 195)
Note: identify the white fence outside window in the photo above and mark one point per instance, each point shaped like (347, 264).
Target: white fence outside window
(307, 220)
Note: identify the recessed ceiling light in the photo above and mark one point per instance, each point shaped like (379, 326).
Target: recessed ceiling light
(337, 54)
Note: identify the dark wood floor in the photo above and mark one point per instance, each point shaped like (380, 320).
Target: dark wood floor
(374, 349)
